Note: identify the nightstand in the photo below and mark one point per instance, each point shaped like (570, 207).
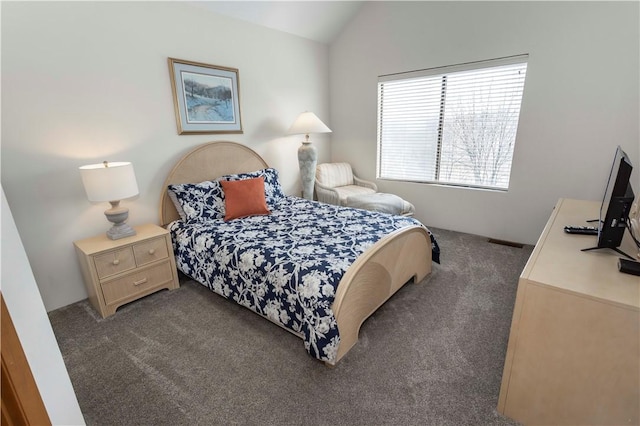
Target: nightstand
(117, 272)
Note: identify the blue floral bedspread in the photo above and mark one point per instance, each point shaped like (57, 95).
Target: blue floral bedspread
(286, 265)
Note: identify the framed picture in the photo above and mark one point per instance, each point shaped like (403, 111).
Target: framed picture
(206, 97)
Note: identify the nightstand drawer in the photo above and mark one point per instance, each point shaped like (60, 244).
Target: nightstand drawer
(121, 288)
(114, 262)
(150, 251)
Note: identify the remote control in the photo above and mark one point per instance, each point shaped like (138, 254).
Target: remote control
(582, 230)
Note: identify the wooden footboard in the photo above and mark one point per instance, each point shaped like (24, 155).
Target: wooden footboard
(375, 276)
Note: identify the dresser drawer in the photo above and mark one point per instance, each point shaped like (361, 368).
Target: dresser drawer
(114, 262)
(137, 282)
(150, 251)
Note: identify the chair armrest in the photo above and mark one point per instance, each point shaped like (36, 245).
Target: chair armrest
(326, 194)
(365, 183)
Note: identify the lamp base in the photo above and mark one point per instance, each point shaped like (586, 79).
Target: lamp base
(121, 230)
(118, 216)
(307, 160)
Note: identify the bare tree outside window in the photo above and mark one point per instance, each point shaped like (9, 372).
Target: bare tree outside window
(477, 145)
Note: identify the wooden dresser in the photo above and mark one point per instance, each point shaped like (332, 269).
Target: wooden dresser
(574, 347)
(117, 272)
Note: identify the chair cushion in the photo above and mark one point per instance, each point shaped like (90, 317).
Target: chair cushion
(344, 192)
(333, 175)
(381, 202)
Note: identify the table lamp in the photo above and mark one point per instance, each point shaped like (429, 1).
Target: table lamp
(307, 123)
(112, 182)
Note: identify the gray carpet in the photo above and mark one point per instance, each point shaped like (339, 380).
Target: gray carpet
(432, 355)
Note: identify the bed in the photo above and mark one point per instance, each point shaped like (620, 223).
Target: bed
(317, 282)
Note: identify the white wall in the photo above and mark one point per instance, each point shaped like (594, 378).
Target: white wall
(84, 82)
(581, 99)
(32, 325)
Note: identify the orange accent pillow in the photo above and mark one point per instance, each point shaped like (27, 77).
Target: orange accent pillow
(244, 198)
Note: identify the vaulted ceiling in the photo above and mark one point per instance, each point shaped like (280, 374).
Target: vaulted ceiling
(321, 21)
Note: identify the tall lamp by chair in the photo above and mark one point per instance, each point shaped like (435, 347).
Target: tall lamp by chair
(112, 182)
(307, 123)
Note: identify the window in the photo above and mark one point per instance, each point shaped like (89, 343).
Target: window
(454, 125)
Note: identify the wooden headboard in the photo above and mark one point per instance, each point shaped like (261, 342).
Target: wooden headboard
(207, 162)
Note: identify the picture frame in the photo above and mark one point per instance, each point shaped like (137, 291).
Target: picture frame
(206, 97)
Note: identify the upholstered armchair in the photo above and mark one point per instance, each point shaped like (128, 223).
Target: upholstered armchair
(335, 182)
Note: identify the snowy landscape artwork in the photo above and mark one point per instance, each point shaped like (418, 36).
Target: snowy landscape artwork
(206, 97)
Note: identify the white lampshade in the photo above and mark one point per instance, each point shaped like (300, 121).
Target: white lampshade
(306, 123)
(109, 181)
(112, 182)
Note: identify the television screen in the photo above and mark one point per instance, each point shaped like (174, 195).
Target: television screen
(616, 204)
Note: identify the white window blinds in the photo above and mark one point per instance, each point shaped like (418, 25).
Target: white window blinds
(452, 125)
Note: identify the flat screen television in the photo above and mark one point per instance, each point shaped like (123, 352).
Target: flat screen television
(616, 204)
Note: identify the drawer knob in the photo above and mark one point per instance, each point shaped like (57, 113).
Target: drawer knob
(152, 251)
(116, 261)
(142, 281)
